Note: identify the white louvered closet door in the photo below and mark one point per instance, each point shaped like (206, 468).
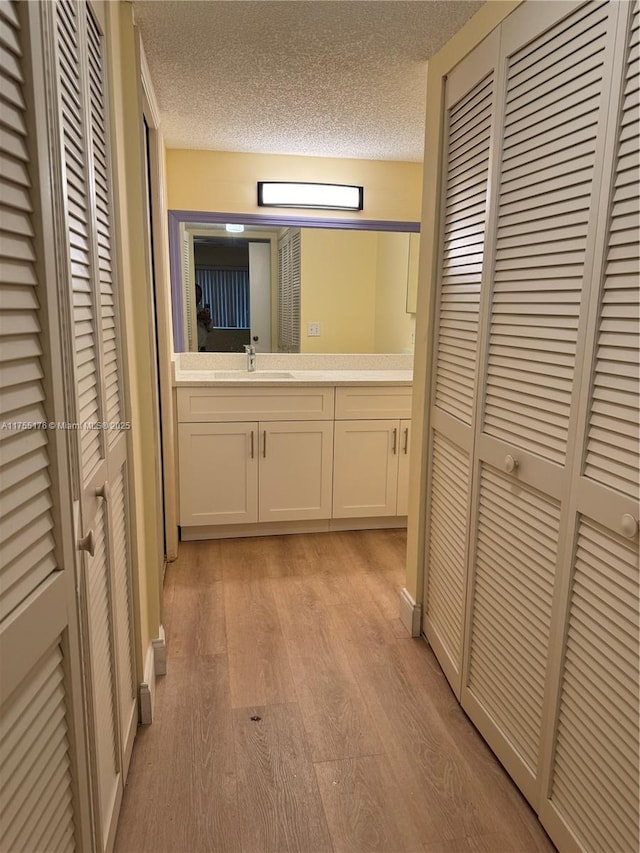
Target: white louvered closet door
(189, 292)
(469, 121)
(592, 784)
(289, 260)
(40, 787)
(101, 445)
(534, 311)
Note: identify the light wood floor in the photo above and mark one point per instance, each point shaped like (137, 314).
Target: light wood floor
(297, 714)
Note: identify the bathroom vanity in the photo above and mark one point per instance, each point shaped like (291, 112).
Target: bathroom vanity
(292, 450)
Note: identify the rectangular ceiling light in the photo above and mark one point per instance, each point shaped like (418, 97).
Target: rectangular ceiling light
(325, 196)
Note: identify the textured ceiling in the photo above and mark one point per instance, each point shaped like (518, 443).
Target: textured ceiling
(330, 78)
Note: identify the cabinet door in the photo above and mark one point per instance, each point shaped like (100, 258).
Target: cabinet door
(218, 473)
(404, 447)
(365, 476)
(295, 470)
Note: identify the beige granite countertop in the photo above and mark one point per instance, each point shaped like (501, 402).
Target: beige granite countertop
(219, 370)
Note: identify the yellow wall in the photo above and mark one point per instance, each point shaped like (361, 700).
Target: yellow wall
(227, 183)
(393, 326)
(129, 215)
(338, 271)
(475, 30)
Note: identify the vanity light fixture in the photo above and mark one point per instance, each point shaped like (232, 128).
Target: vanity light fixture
(321, 196)
(234, 229)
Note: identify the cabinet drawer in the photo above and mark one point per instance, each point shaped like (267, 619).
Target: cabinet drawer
(373, 402)
(263, 404)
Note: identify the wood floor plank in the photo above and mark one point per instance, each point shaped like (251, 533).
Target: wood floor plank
(186, 799)
(364, 806)
(451, 800)
(278, 793)
(198, 563)
(198, 624)
(517, 820)
(336, 721)
(381, 556)
(257, 558)
(259, 670)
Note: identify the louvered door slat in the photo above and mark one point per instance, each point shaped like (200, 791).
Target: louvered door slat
(34, 755)
(564, 115)
(469, 122)
(612, 453)
(103, 666)
(122, 594)
(76, 180)
(513, 588)
(447, 544)
(103, 203)
(289, 259)
(599, 699)
(25, 496)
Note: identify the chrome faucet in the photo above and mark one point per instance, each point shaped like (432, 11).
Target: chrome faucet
(251, 357)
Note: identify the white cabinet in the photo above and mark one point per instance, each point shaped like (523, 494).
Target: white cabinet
(271, 455)
(239, 464)
(371, 470)
(241, 473)
(371, 459)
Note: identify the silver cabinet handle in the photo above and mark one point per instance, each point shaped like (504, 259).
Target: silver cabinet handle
(264, 444)
(88, 543)
(395, 440)
(253, 448)
(510, 464)
(405, 446)
(628, 525)
(103, 491)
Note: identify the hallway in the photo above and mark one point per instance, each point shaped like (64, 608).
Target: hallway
(297, 714)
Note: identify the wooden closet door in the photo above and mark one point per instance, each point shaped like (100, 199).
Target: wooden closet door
(557, 74)
(470, 122)
(99, 441)
(592, 783)
(44, 801)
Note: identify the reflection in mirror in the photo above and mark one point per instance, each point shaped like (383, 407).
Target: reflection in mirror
(286, 288)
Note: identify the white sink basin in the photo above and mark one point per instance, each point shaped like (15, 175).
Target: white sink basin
(256, 374)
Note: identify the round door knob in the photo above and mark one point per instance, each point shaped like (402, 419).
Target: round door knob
(510, 464)
(628, 525)
(88, 543)
(103, 491)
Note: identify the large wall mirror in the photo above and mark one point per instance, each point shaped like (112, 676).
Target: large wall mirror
(290, 284)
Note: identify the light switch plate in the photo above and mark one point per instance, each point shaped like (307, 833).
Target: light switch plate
(313, 330)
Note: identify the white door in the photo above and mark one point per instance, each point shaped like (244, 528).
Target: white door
(470, 119)
(260, 295)
(44, 797)
(592, 774)
(546, 193)
(102, 475)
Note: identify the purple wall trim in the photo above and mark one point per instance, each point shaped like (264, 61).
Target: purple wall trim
(179, 217)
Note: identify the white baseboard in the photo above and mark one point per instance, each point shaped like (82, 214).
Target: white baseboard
(275, 528)
(160, 653)
(410, 613)
(155, 663)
